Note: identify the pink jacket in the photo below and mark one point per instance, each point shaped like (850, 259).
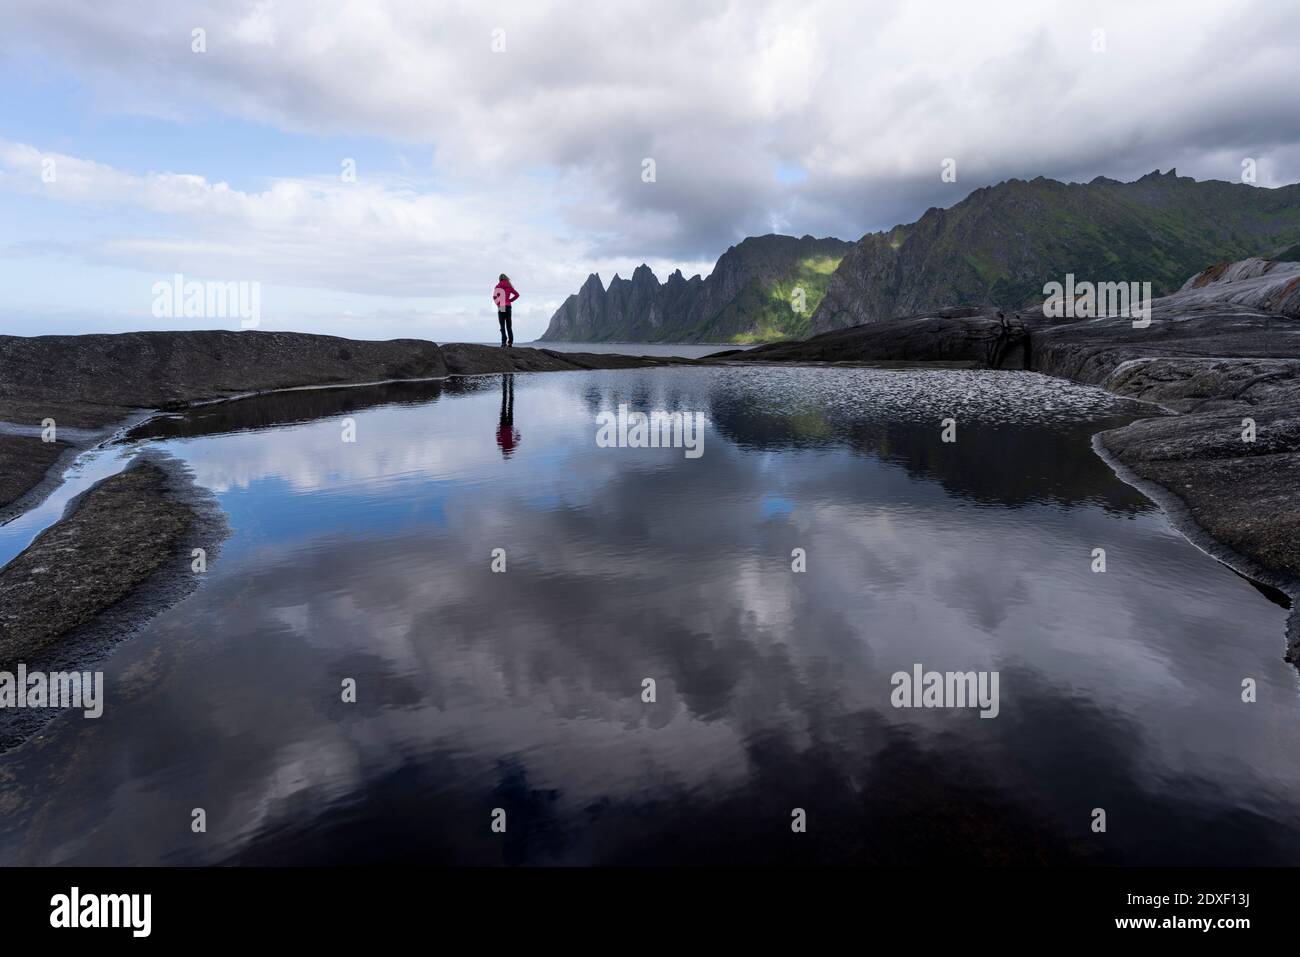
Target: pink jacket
(504, 294)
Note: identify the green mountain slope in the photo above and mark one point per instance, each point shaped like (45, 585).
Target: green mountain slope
(1000, 245)
(997, 247)
(765, 287)
(777, 308)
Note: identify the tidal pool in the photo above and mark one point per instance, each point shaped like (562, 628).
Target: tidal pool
(372, 562)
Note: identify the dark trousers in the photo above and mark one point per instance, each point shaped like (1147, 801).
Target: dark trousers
(507, 330)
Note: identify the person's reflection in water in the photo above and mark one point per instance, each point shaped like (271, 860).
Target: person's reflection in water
(507, 436)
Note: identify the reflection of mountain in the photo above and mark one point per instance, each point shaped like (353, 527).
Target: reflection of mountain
(299, 405)
(988, 463)
(1004, 422)
(522, 690)
(997, 458)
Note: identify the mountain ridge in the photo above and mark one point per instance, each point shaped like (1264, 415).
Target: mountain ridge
(1002, 243)
(997, 246)
(749, 291)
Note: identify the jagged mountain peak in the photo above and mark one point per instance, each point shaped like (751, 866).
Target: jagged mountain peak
(751, 288)
(996, 247)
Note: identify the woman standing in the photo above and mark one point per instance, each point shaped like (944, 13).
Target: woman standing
(503, 295)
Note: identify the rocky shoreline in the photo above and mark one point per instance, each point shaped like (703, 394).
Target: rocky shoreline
(92, 385)
(121, 553)
(120, 531)
(1223, 353)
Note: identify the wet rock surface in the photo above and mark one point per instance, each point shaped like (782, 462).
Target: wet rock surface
(121, 554)
(24, 462)
(110, 541)
(1242, 493)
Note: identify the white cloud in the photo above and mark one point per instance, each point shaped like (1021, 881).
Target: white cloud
(378, 237)
(258, 27)
(539, 148)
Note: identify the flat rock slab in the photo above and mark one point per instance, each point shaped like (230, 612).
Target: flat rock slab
(170, 369)
(1192, 384)
(1090, 351)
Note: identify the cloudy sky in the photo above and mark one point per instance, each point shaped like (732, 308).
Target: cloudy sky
(489, 137)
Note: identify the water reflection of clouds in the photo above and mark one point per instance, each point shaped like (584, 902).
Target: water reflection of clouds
(772, 686)
(989, 589)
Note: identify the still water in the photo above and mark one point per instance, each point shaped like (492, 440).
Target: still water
(523, 690)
